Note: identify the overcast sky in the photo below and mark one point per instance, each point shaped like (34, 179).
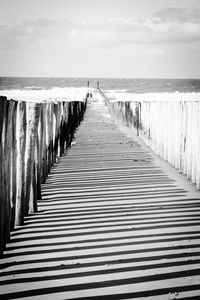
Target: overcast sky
(100, 38)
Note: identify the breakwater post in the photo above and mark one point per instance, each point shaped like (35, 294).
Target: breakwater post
(32, 137)
(170, 128)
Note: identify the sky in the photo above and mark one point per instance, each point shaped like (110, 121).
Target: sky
(100, 38)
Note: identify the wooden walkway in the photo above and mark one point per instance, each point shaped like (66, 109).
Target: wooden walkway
(114, 223)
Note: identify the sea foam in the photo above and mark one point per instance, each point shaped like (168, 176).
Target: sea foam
(53, 94)
(140, 97)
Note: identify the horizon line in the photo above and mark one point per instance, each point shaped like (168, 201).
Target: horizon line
(98, 78)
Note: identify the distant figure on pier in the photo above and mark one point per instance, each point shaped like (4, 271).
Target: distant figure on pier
(89, 95)
(97, 85)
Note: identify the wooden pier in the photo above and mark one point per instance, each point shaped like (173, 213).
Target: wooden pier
(114, 222)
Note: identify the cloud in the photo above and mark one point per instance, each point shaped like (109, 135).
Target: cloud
(31, 32)
(172, 25)
(179, 14)
(177, 25)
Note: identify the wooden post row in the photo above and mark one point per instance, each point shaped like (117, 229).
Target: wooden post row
(170, 128)
(32, 137)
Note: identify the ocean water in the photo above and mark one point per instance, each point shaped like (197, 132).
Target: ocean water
(118, 85)
(71, 89)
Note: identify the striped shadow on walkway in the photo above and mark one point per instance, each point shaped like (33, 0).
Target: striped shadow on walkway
(114, 223)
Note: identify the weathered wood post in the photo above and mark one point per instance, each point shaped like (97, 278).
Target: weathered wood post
(49, 123)
(9, 166)
(69, 125)
(39, 152)
(31, 187)
(66, 122)
(43, 137)
(61, 137)
(137, 112)
(59, 126)
(56, 130)
(20, 168)
(3, 105)
(13, 188)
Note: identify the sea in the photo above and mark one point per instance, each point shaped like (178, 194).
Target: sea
(115, 84)
(67, 89)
